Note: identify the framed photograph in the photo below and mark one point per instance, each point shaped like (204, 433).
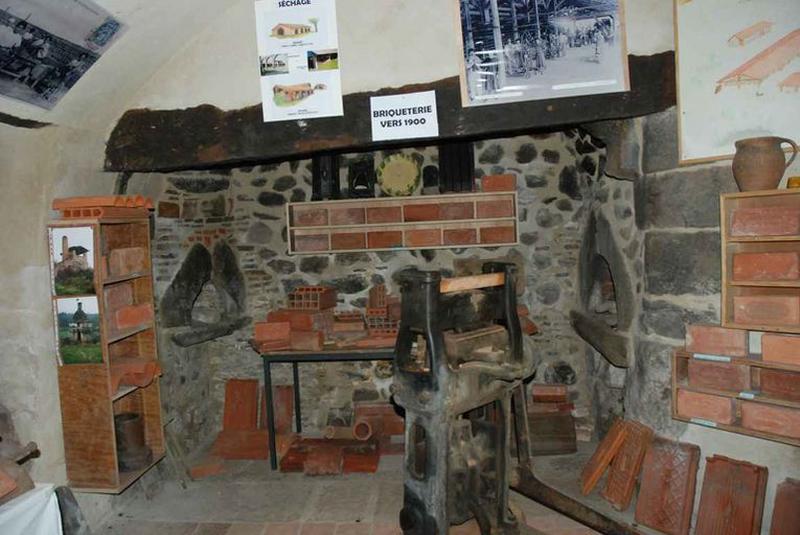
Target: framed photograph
(738, 68)
(72, 260)
(516, 50)
(47, 46)
(78, 330)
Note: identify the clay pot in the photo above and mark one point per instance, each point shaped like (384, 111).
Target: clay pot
(759, 162)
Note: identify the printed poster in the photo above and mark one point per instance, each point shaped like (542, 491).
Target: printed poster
(298, 56)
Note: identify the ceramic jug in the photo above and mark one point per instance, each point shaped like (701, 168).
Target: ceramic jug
(759, 162)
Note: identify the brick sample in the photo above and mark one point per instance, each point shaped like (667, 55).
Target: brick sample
(768, 221)
(766, 309)
(133, 316)
(347, 216)
(265, 331)
(421, 212)
(385, 239)
(343, 241)
(453, 211)
(626, 465)
(780, 348)
(716, 340)
(602, 456)
(309, 217)
(732, 498)
(306, 341)
(780, 384)
(505, 234)
(384, 214)
(668, 481)
(506, 182)
(495, 209)
(423, 237)
(772, 419)
(312, 298)
(766, 266)
(124, 261)
(705, 406)
(283, 404)
(303, 320)
(718, 375)
(786, 512)
(324, 461)
(241, 404)
(310, 242)
(466, 236)
(118, 296)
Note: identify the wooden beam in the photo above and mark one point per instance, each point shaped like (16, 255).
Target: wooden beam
(205, 136)
(472, 282)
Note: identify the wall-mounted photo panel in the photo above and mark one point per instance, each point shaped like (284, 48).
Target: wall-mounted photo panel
(72, 260)
(78, 330)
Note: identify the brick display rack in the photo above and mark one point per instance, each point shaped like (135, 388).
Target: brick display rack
(760, 234)
(123, 287)
(392, 223)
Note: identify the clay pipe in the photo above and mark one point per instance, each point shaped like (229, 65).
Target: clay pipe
(367, 427)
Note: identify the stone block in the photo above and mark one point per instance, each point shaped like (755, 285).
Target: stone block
(682, 263)
(452, 211)
(780, 348)
(347, 216)
(465, 236)
(310, 242)
(767, 221)
(718, 375)
(766, 266)
(705, 407)
(779, 384)
(384, 214)
(385, 239)
(495, 209)
(732, 499)
(783, 421)
(423, 238)
(265, 331)
(306, 341)
(505, 234)
(716, 340)
(126, 260)
(421, 212)
(660, 141)
(507, 182)
(309, 217)
(623, 140)
(241, 405)
(670, 320)
(759, 310)
(133, 316)
(345, 241)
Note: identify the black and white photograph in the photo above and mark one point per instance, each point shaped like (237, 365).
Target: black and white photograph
(272, 64)
(515, 50)
(47, 46)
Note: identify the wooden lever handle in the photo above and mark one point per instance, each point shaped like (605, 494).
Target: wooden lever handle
(460, 284)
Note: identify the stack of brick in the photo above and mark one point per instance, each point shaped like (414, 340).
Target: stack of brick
(550, 420)
(303, 325)
(106, 206)
(382, 319)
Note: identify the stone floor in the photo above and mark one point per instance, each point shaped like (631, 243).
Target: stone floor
(249, 499)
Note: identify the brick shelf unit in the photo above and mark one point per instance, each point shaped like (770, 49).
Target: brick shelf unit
(740, 404)
(124, 289)
(760, 235)
(391, 223)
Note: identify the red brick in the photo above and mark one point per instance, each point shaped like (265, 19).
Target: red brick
(265, 331)
(603, 455)
(766, 266)
(423, 237)
(452, 211)
(7, 483)
(705, 406)
(498, 235)
(384, 214)
(770, 221)
(377, 296)
(309, 217)
(732, 499)
(780, 384)
(499, 183)
(362, 459)
(715, 340)
(169, 210)
(549, 393)
(460, 236)
(495, 209)
(133, 316)
(718, 375)
(309, 243)
(780, 348)
(786, 513)
(626, 465)
(783, 421)
(421, 212)
(307, 341)
(241, 404)
(312, 298)
(377, 312)
(127, 260)
(384, 239)
(347, 216)
(209, 466)
(303, 320)
(283, 405)
(767, 309)
(118, 296)
(323, 461)
(343, 241)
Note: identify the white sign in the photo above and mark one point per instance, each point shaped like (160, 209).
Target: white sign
(404, 116)
(298, 59)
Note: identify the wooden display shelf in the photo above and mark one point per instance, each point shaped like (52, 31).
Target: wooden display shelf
(124, 278)
(126, 479)
(767, 284)
(742, 361)
(121, 335)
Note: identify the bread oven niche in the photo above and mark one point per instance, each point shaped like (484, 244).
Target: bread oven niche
(606, 297)
(206, 299)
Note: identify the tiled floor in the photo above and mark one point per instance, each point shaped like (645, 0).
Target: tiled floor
(249, 499)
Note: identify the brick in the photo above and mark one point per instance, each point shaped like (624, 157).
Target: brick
(783, 421)
(384, 214)
(385, 239)
(786, 512)
(283, 405)
(626, 466)
(498, 234)
(207, 467)
(718, 375)
(312, 298)
(705, 406)
(241, 404)
(363, 459)
(132, 371)
(766, 309)
(303, 320)
(779, 384)
(307, 341)
(344, 241)
(715, 340)
(265, 331)
(377, 312)
(423, 238)
(732, 499)
(421, 212)
(766, 266)
(495, 209)
(603, 455)
(780, 348)
(347, 216)
(377, 296)
(118, 296)
(133, 316)
(309, 217)
(453, 211)
(461, 236)
(272, 346)
(506, 182)
(310, 242)
(169, 210)
(127, 260)
(241, 444)
(549, 393)
(668, 481)
(323, 461)
(769, 221)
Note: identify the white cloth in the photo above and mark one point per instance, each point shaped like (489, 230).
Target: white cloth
(34, 513)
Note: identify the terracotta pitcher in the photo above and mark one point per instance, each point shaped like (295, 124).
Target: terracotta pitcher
(759, 162)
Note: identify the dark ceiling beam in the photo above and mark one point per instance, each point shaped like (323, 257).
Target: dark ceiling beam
(19, 122)
(206, 137)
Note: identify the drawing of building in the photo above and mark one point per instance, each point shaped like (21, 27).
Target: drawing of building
(285, 30)
(791, 84)
(764, 64)
(295, 92)
(750, 33)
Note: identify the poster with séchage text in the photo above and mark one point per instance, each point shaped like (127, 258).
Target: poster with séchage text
(298, 59)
